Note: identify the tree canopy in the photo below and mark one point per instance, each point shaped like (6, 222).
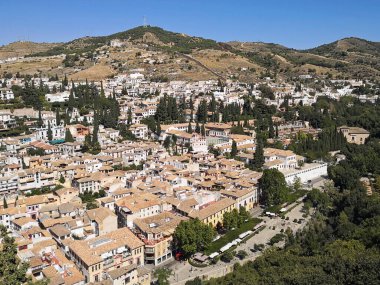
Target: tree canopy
(273, 187)
(192, 236)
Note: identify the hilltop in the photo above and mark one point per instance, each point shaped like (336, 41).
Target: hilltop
(182, 56)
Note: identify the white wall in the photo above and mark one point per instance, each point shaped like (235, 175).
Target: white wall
(307, 173)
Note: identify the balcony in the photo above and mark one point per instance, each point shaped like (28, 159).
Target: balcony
(149, 250)
(108, 263)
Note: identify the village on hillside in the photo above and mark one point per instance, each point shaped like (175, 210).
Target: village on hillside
(123, 180)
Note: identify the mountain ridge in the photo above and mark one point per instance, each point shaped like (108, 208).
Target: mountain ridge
(347, 57)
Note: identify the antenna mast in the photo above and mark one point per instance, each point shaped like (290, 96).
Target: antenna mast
(145, 22)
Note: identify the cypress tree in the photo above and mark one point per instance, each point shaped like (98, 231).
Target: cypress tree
(259, 160)
(71, 103)
(203, 130)
(5, 204)
(49, 132)
(68, 136)
(65, 82)
(234, 149)
(189, 128)
(57, 117)
(271, 133)
(202, 112)
(129, 119)
(276, 131)
(191, 104)
(40, 122)
(96, 130)
(123, 131)
(158, 128)
(197, 128)
(102, 95)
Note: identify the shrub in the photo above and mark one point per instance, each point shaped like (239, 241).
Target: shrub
(242, 254)
(277, 238)
(227, 257)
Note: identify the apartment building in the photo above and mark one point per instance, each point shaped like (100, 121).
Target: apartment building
(279, 159)
(156, 233)
(97, 256)
(212, 213)
(138, 206)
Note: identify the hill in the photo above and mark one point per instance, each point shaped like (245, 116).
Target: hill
(21, 48)
(362, 56)
(187, 57)
(151, 35)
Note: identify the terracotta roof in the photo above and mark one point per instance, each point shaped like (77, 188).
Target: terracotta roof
(212, 208)
(90, 250)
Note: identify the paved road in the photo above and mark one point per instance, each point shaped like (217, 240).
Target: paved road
(183, 272)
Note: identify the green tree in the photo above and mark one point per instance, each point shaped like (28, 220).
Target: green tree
(234, 149)
(129, 119)
(197, 128)
(5, 204)
(273, 187)
(68, 136)
(12, 271)
(71, 102)
(192, 236)
(297, 185)
(162, 275)
(92, 205)
(227, 257)
(189, 128)
(49, 132)
(57, 117)
(167, 142)
(258, 160)
(271, 132)
(61, 179)
(40, 122)
(203, 130)
(123, 131)
(242, 254)
(65, 81)
(202, 111)
(231, 219)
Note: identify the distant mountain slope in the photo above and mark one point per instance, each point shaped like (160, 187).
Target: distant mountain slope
(153, 35)
(341, 47)
(363, 56)
(24, 48)
(349, 57)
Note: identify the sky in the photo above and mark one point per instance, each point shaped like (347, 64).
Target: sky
(293, 23)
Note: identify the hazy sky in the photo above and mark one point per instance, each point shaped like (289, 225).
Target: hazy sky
(293, 23)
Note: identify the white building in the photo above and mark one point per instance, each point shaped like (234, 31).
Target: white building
(58, 97)
(6, 94)
(58, 132)
(305, 173)
(140, 131)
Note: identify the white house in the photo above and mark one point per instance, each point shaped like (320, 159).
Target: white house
(6, 94)
(58, 97)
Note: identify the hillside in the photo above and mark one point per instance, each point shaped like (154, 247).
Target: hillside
(363, 56)
(150, 35)
(17, 49)
(182, 56)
